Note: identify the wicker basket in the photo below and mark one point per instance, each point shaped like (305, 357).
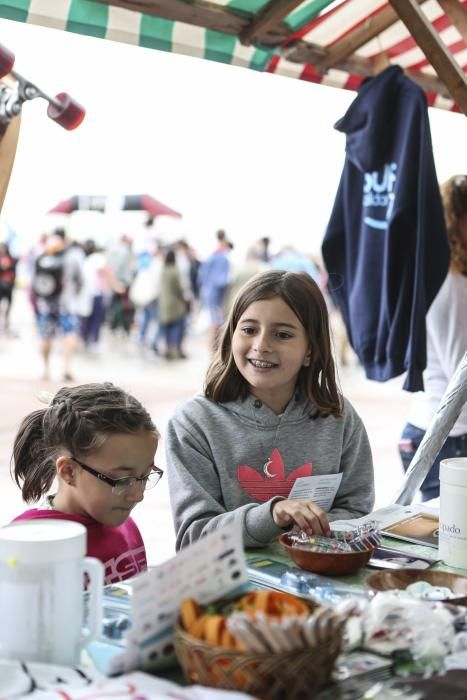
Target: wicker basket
(295, 675)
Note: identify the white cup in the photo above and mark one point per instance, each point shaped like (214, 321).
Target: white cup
(453, 512)
(42, 570)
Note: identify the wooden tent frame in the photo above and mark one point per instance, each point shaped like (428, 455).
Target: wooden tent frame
(268, 29)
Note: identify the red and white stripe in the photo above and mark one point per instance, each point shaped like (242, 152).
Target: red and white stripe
(396, 42)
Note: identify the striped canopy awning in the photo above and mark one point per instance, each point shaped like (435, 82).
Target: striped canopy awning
(333, 42)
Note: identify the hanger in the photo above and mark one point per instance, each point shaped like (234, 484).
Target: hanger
(380, 62)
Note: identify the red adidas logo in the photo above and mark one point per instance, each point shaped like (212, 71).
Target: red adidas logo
(262, 487)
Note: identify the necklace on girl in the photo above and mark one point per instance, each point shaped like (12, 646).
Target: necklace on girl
(268, 462)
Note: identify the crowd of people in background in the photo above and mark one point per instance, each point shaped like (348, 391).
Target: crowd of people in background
(157, 295)
(154, 295)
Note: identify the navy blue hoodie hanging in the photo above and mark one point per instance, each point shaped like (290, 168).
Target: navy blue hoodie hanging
(386, 248)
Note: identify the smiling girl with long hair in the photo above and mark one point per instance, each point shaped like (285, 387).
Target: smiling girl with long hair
(271, 413)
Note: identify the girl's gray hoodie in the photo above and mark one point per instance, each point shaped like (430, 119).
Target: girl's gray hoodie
(216, 454)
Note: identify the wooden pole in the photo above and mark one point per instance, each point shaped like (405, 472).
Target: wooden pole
(457, 13)
(434, 49)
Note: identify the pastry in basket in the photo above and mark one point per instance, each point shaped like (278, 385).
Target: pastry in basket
(216, 624)
(270, 644)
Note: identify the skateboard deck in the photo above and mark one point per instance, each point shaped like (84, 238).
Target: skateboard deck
(8, 141)
(14, 91)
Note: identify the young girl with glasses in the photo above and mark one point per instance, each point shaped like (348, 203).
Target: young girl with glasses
(99, 443)
(271, 413)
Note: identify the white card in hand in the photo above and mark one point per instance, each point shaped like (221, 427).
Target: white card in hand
(320, 489)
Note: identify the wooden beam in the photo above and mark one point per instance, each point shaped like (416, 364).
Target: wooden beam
(270, 15)
(436, 52)
(202, 13)
(457, 13)
(211, 16)
(304, 52)
(361, 35)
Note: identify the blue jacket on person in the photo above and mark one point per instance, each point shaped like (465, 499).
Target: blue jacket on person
(213, 278)
(386, 248)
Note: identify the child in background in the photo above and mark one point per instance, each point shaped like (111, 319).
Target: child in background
(271, 413)
(446, 328)
(100, 443)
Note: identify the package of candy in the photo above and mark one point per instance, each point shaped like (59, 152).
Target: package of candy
(364, 537)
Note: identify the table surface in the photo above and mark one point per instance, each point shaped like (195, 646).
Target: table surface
(276, 552)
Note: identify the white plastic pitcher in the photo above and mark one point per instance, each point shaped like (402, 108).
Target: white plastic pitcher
(453, 512)
(42, 569)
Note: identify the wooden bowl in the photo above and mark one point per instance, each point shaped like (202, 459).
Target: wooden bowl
(328, 563)
(399, 579)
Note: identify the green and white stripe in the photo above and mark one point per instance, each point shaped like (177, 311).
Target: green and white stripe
(109, 22)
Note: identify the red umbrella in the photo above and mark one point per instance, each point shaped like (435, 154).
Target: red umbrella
(130, 202)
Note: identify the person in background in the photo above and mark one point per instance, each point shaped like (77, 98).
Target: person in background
(214, 277)
(263, 249)
(144, 292)
(172, 307)
(241, 273)
(7, 283)
(185, 250)
(58, 313)
(270, 413)
(292, 260)
(188, 267)
(122, 266)
(99, 443)
(96, 286)
(446, 324)
(30, 260)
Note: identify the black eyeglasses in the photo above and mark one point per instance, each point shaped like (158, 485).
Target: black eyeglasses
(119, 486)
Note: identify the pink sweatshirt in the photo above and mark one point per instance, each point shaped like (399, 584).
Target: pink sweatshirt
(121, 549)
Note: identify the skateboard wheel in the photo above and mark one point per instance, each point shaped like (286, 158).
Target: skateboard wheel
(7, 59)
(66, 111)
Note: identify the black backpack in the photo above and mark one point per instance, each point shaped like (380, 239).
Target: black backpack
(47, 280)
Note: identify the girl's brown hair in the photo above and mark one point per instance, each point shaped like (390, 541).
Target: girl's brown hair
(79, 419)
(224, 382)
(454, 196)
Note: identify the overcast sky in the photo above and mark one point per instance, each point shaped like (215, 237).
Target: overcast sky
(227, 147)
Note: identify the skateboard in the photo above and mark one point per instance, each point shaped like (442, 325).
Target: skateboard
(14, 91)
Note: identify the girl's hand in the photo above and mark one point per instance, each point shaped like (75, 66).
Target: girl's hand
(304, 513)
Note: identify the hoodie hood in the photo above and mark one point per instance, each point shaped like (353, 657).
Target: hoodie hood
(257, 415)
(366, 121)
